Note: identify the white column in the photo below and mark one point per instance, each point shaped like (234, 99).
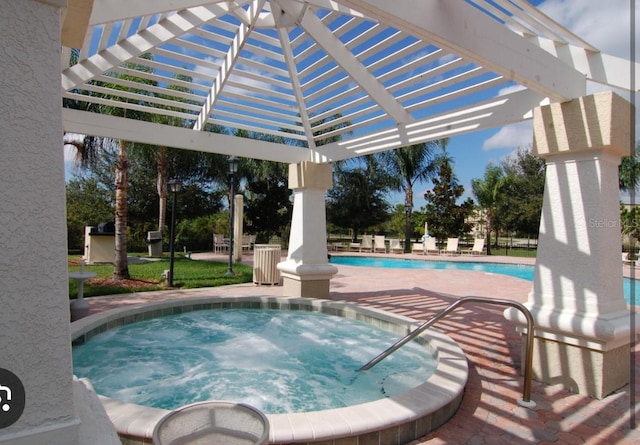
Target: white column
(582, 320)
(306, 271)
(34, 316)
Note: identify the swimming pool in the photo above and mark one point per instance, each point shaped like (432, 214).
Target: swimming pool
(522, 271)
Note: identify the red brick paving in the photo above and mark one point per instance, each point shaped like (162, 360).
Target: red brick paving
(489, 414)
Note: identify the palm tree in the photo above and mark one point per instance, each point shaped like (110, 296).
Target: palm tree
(91, 146)
(409, 165)
(487, 193)
(629, 171)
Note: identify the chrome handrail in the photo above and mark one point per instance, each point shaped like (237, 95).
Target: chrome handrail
(528, 364)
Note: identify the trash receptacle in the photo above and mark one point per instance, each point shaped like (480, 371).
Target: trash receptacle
(265, 260)
(214, 422)
(154, 240)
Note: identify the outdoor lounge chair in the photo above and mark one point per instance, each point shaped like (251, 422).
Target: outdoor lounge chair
(367, 244)
(451, 248)
(430, 247)
(379, 244)
(395, 246)
(418, 248)
(478, 247)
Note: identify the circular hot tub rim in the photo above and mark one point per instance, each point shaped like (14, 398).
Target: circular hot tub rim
(404, 417)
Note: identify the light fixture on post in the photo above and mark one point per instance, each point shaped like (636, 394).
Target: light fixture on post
(233, 168)
(174, 186)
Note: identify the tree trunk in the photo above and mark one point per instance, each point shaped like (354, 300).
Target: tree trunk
(121, 266)
(408, 210)
(489, 229)
(161, 185)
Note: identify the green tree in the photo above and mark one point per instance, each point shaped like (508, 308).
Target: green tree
(447, 218)
(521, 206)
(408, 166)
(269, 207)
(171, 162)
(630, 221)
(629, 171)
(88, 204)
(357, 199)
(489, 194)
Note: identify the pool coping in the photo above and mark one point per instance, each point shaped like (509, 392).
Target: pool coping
(406, 416)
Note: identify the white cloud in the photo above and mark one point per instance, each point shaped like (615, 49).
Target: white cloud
(510, 136)
(511, 89)
(604, 24)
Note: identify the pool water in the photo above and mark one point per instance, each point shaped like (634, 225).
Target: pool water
(278, 361)
(631, 287)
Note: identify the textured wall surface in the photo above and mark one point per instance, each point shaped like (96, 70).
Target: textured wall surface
(34, 314)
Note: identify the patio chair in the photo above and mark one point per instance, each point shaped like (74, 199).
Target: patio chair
(367, 243)
(379, 244)
(418, 248)
(219, 244)
(430, 247)
(452, 247)
(478, 247)
(395, 246)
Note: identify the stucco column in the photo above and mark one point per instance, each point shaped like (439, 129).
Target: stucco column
(582, 320)
(306, 271)
(34, 316)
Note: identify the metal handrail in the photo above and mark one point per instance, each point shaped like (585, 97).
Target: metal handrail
(526, 391)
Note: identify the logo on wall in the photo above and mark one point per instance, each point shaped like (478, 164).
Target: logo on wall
(12, 398)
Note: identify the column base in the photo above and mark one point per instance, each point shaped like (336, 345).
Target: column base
(579, 369)
(292, 287)
(306, 280)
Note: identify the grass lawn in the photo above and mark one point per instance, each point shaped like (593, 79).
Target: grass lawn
(147, 276)
(522, 253)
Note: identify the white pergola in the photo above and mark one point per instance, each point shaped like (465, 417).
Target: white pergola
(373, 75)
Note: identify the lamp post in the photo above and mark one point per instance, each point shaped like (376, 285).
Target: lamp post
(233, 168)
(175, 186)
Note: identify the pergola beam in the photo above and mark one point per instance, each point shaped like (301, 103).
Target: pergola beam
(461, 29)
(492, 113)
(596, 66)
(103, 125)
(116, 10)
(352, 66)
(228, 63)
(137, 44)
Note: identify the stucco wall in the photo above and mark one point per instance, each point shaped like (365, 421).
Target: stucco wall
(34, 311)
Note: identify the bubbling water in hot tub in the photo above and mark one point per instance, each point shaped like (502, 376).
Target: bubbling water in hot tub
(276, 360)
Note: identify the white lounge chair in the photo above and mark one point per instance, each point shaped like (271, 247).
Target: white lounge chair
(478, 247)
(418, 248)
(430, 246)
(395, 246)
(367, 243)
(451, 248)
(379, 244)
